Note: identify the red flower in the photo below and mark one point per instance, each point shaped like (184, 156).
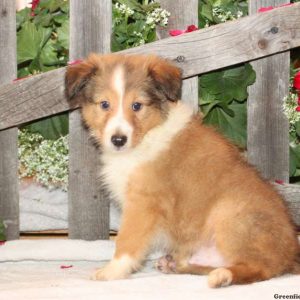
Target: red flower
(74, 62)
(279, 181)
(263, 9)
(176, 32)
(191, 28)
(66, 267)
(297, 81)
(34, 5)
(298, 108)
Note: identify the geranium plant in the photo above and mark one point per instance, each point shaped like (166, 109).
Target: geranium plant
(291, 108)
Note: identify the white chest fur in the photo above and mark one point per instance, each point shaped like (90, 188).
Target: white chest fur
(117, 167)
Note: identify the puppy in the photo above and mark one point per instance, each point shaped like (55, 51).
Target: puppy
(180, 184)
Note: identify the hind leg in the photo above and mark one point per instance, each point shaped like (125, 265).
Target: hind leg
(237, 274)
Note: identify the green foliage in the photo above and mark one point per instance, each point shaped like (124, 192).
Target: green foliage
(41, 37)
(134, 23)
(223, 97)
(2, 231)
(218, 11)
(42, 45)
(45, 160)
(223, 94)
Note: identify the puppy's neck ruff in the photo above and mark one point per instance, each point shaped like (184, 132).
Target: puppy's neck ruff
(117, 166)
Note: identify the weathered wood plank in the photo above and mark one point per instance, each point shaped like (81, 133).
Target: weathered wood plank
(88, 208)
(291, 194)
(268, 140)
(205, 50)
(9, 182)
(183, 14)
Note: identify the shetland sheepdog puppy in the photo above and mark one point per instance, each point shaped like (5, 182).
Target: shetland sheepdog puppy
(180, 184)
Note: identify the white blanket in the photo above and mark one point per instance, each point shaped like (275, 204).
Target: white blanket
(32, 270)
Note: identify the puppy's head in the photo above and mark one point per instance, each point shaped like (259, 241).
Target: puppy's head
(122, 97)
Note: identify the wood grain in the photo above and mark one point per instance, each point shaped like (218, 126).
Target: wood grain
(202, 51)
(88, 208)
(268, 139)
(183, 14)
(9, 180)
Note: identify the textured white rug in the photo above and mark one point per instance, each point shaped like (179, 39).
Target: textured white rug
(37, 269)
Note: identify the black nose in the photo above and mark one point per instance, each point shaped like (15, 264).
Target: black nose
(119, 140)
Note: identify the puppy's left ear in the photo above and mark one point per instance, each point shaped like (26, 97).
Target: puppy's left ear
(167, 78)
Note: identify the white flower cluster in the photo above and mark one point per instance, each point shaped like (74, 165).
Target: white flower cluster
(141, 40)
(123, 9)
(289, 109)
(159, 17)
(45, 160)
(224, 15)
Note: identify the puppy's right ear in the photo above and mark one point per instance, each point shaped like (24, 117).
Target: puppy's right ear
(76, 79)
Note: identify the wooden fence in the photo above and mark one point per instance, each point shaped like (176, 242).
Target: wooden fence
(264, 39)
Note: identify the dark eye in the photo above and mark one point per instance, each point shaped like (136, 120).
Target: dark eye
(104, 105)
(136, 106)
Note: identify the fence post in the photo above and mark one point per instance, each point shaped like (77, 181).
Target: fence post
(268, 140)
(9, 182)
(183, 13)
(90, 31)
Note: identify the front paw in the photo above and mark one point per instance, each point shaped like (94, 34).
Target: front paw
(116, 269)
(109, 272)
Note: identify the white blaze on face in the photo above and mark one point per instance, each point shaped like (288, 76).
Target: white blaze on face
(118, 124)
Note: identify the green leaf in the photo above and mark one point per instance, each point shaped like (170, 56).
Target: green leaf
(43, 20)
(2, 231)
(206, 11)
(22, 16)
(297, 127)
(48, 54)
(63, 35)
(30, 41)
(230, 84)
(233, 128)
(51, 128)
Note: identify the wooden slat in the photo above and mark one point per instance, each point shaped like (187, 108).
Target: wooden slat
(268, 141)
(9, 192)
(291, 194)
(183, 14)
(202, 51)
(88, 208)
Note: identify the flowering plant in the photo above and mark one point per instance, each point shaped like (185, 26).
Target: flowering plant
(291, 108)
(44, 160)
(134, 22)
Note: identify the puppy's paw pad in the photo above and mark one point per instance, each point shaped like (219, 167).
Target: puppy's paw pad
(219, 278)
(166, 264)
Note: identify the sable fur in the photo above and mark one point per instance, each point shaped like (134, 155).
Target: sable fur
(195, 193)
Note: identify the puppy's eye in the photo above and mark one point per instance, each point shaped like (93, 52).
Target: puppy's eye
(104, 105)
(136, 106)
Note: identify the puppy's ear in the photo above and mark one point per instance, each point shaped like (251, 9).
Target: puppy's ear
(76, 79)
(167, 78)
